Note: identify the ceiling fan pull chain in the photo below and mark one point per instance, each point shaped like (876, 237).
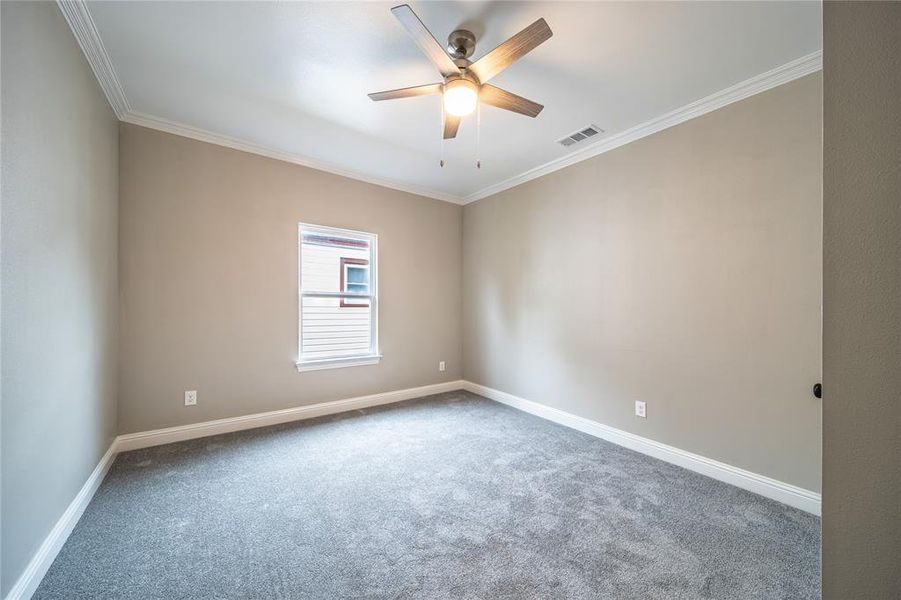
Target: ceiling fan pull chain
(441, 162)
(478, 135)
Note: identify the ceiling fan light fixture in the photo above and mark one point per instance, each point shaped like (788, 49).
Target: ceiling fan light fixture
(460, 97)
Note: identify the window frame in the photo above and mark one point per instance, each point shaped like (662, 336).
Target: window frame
(372, 356)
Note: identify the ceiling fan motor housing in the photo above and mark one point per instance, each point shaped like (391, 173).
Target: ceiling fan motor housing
(463, 75)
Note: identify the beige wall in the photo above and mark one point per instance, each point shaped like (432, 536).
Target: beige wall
(862, 301)
(59, 300)
(208, 280)
(683, 270)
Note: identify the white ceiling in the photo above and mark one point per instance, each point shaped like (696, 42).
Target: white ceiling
(292, 77)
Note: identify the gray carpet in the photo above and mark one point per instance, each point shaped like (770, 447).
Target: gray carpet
(451, 496)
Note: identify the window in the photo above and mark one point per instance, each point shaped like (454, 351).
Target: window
(338, 299)
(354, 279)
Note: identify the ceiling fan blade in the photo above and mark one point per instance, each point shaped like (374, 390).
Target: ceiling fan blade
(451, 125)
(495, 96)
(425, 40)
(512, 50)
(408, 92)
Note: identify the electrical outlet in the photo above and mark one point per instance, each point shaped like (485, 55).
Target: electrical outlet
(442, 366)
(191, 398)
(641, 409)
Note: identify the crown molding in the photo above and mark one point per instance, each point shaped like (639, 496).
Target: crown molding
(780, 75)
(85, 31)
(755, 85)
(189, 131)
(82, 25)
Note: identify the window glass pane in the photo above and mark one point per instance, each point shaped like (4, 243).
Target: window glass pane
(330, 330)
(324, 257)
(357, 274)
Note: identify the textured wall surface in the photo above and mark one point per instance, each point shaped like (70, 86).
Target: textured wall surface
(208, 274)
(683, 270)
(862, 301)
(59, 273)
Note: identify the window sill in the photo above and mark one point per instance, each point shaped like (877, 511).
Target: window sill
(335, 363)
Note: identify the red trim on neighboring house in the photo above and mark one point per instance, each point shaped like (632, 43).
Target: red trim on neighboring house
(327, 240)
(350, 261)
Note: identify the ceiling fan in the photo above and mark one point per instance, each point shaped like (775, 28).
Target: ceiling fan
(465, 82)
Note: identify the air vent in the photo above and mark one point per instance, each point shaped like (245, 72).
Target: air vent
(582, 134)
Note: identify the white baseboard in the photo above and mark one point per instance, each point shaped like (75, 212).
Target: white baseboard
(39, 564)
(805, 500)
(145, 439)
(43, 558)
